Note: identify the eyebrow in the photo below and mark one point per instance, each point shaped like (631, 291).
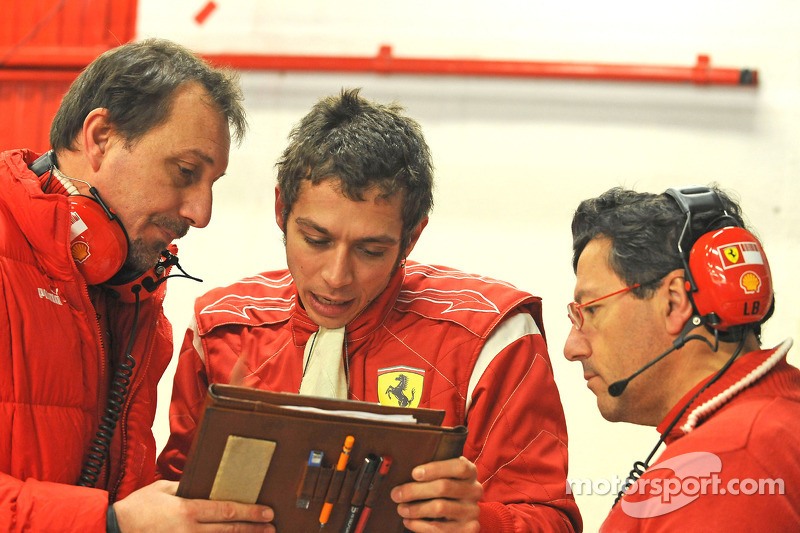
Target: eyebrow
(197, 153)
(580, 295)
(377, 239)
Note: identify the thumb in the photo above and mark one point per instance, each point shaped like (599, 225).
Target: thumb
(239, 370)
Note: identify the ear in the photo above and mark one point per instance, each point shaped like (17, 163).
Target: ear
(679, 307)
(415, 236)
(279, 210)
(95, 136)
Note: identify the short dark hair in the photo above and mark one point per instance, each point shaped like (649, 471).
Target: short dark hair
(362, 144)
(136, 83)
(643, 229)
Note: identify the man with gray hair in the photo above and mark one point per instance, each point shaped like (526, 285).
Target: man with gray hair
(86, 234)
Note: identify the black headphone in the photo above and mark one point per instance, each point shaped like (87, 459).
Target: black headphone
(727, 274)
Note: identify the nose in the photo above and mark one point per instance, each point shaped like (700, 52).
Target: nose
(576, 347)
(196, 206)
(337, 271)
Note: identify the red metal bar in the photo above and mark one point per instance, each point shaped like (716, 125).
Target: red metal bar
(38, 75)
(384, 63)
(701, 73)
(49, 57)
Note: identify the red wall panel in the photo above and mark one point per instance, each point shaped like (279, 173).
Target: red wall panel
(27, 107)
(43, 46)
(38, 32)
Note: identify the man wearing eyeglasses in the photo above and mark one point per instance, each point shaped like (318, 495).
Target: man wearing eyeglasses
(670, 295)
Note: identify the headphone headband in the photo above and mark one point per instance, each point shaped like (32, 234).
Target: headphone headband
(696, 199)
(728, 278)
(693, 200)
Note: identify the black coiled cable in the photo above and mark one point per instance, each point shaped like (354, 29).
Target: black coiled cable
(118, 391)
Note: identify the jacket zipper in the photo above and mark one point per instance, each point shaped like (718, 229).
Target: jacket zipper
(136, 384)
(101, 398)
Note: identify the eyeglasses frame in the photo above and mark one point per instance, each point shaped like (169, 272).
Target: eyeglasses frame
(574, 308)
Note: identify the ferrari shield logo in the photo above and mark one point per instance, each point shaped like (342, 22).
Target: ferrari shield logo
(732, 254)
(400, 386)
(740, 254)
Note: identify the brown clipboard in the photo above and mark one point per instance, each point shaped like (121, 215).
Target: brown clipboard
(255, 446)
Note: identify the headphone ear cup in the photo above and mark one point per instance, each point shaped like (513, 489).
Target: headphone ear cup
(98, 243)
(732, 276)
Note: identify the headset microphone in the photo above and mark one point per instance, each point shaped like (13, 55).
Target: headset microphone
(618, 387)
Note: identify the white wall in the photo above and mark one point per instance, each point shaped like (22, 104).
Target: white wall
(515, 156)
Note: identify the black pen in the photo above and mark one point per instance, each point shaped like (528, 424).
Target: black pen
(363, 481)
(372, 497)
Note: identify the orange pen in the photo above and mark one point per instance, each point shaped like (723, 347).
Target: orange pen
(340, 466)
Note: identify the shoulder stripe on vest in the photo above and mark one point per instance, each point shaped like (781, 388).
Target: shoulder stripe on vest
(431, 271)
(238, 302)
(475, 299)
(456, 300)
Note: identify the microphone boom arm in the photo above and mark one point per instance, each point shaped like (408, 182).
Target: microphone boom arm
(618, 387)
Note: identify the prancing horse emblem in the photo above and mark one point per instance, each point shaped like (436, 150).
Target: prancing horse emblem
(400, 386)
(399, 391)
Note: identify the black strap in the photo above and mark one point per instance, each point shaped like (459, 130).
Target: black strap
(696, 199)
(112, 526)
(43, 163)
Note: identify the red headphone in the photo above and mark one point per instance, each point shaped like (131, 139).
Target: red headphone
(98, 240)
(727, 273)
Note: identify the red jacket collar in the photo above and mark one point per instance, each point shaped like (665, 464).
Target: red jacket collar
(366, 322)
(781, 377)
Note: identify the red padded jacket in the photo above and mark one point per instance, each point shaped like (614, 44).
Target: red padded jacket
(55, 368)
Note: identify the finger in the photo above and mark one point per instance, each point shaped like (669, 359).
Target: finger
(206, 511)
(458, 468)
(239, 370)
(441, 488)
(168, 487)
(234, 527)
(428, 526)
(440, 509)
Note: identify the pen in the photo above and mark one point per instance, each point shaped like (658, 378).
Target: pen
(340, 466)
(363, 481)
(372, 495)
(309, 479)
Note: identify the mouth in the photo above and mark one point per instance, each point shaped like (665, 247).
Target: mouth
(168, 235)
(330, 311)
(330, 301)
(172, 230)
(589, 377)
